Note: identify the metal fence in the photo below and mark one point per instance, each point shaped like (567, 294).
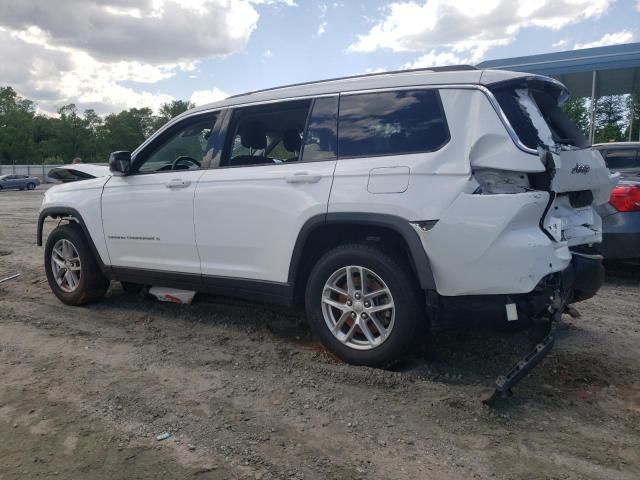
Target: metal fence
(39, 171)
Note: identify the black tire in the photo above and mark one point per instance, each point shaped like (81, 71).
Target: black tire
(92, 284)
(408, 300)
(31, 186)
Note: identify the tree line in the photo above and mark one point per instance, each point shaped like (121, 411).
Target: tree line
(28, 137)
(614, 116)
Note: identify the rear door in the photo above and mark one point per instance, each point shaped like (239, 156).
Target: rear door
(272, 175)
(148, 215)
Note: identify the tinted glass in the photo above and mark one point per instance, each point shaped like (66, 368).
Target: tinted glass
(185, 149)
(388, 123)
(621, 159)
(266, 134)
(320, 141)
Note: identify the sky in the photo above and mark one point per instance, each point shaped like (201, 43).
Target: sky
(111, 55)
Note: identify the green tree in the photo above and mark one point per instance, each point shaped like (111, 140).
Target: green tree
(28, 137)
(171, 109)
(633, 117)
(16, 124)
(610, 116)
(577, 111)
(127, 129)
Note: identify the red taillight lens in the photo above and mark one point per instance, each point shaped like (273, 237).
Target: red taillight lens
(626, 198)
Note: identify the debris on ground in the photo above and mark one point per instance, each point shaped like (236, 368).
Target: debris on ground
(172, 295)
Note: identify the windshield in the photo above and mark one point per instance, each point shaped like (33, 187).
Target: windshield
(534, 112)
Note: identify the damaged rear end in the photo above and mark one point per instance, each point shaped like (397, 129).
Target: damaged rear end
(574, 176)
(526, 222)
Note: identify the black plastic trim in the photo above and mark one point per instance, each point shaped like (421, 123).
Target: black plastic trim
(68, 212)
(256, 290)
(401, 226)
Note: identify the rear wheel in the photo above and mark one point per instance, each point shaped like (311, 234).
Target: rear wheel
(72, 270)
(31, 186)
(364, 305)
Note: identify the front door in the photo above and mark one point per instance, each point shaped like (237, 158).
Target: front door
(147, 215)
(273, 175)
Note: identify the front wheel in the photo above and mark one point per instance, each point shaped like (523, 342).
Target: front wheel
(31, 186)
(364, 305)
(72, 270)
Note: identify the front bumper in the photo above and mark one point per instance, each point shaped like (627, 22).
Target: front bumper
(621, 236)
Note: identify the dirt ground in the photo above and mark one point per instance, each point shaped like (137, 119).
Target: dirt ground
(245, 392)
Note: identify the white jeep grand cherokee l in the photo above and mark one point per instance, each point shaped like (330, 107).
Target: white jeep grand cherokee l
(382, 203)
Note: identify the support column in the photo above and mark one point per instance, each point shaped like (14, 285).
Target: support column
(592, 114)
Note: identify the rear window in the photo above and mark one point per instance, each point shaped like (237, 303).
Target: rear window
(391, 123)
(622, 159)
(536, 117)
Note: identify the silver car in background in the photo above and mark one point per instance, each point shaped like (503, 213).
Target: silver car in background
(18, 182)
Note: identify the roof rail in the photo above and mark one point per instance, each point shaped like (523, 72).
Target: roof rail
(449, 68)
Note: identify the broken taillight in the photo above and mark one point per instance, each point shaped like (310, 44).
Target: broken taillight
(626, 198)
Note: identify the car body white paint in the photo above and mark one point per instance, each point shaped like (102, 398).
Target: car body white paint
(84, 197)
(148, 221)
(248, 219)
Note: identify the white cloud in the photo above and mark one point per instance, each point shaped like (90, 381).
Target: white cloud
(624, 36)
(267, 54)
(202, 97)
(559, 43)
(433, 59)
(638, 5)
(323, 7)
(151, 31)
(469, 27)
(81, 51)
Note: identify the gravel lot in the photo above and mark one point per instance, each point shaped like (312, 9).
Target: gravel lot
(246, 393)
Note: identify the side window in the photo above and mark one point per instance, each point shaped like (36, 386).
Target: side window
(183, 147)
(622, 159)
(321, 139)
(266, 134)
(391, 123)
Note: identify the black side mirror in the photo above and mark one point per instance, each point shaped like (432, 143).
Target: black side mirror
(120, 163)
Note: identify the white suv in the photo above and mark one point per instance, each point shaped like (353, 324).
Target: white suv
(380, 202)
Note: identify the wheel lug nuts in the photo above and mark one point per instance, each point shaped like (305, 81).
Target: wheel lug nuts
(357, 295)
(367, 304)
(364, 315)
(349, 302)
(353, 315)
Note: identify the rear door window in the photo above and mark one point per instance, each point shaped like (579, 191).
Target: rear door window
(391, 123)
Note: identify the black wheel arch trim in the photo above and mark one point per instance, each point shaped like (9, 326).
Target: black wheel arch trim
(68, 212)
(401, 226)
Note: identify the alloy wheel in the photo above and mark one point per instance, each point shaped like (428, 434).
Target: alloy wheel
(66, 265)
(358, 307)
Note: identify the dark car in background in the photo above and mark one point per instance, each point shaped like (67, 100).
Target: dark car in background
(621, 216)
(18, 182)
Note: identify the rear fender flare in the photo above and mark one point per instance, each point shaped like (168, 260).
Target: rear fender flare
(401, 226)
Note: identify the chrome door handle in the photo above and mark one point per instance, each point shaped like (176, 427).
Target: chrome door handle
(178, 183)
(302, 177)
